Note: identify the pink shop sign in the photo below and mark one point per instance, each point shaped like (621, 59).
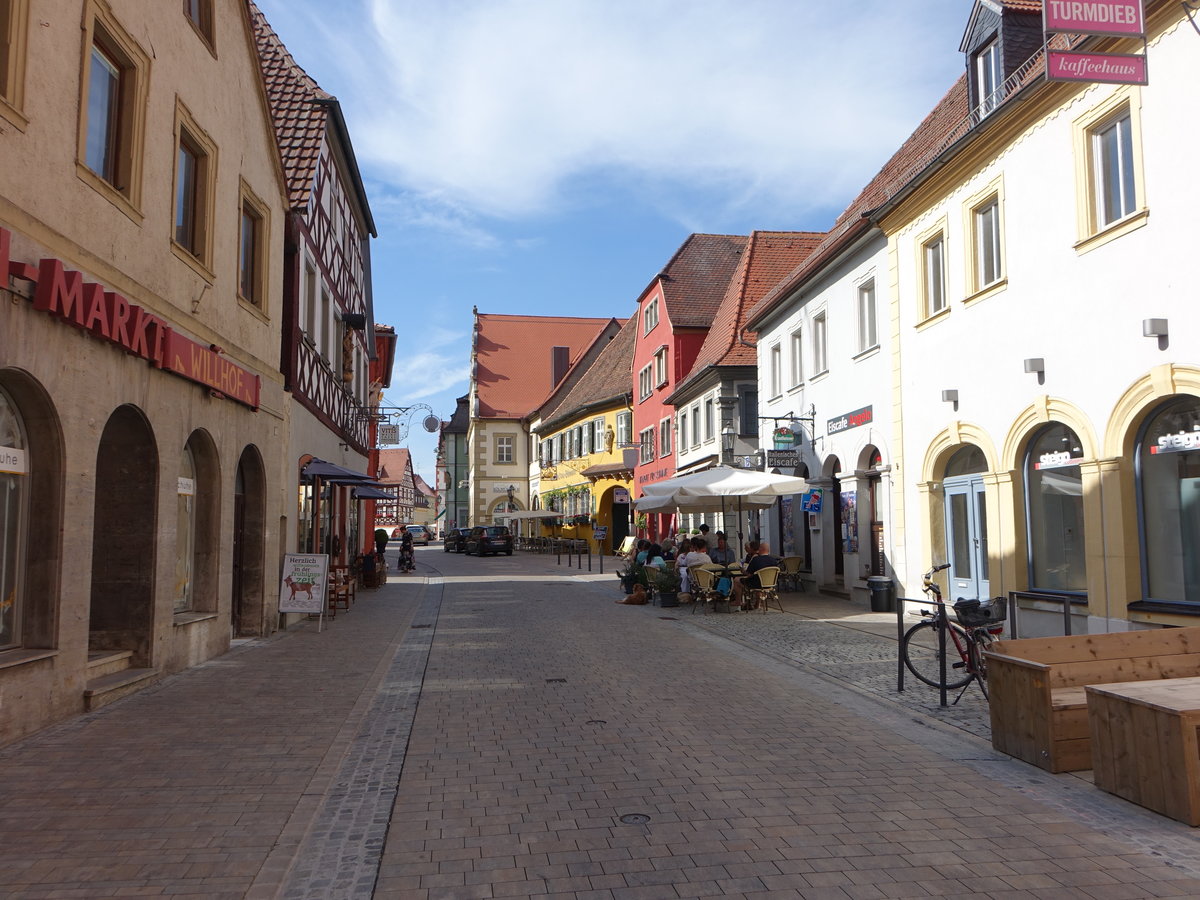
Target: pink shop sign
(1105, 68)
(1120, 17)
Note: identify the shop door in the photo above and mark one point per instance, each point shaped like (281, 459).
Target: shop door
(620, 524)
(966, 537)
(239, 549)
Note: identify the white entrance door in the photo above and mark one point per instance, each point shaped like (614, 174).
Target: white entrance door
(966, 537)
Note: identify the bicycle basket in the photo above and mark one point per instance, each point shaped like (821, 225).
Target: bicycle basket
(973, 614)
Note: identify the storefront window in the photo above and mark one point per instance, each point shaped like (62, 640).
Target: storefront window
(1168, 468)
(14, 492)
(1054, 500)
(185, 530)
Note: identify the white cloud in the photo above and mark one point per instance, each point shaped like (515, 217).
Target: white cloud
(474, 108)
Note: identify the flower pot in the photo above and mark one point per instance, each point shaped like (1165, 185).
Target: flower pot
(668, 598)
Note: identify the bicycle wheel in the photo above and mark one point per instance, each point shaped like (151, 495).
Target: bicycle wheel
(919, 650)
(983, 640)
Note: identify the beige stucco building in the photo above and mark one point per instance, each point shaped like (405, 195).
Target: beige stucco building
(141, 405)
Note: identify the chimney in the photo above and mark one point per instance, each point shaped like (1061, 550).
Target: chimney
(560, 361)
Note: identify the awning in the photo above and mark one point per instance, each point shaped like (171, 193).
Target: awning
(318, 468)
(366, 492)
(706, 462)
(603, 469)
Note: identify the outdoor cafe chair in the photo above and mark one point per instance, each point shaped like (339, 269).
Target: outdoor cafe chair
(767, 591)
(703, 584)
(789, 573)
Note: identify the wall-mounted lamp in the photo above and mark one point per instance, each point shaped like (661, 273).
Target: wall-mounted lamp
(1036, 365)
(1156, 328)
(950, 397)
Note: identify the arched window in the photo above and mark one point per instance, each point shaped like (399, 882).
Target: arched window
(185, 530)
(14, 510)
(1054, 507)
(1168, 476)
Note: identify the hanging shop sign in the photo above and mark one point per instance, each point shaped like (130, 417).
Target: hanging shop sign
(64, 294)
(1099, 68)
(784, 438)
(1125, 18)
(389, 433)
(845, 422)
(1118, 18)
(783, 459)
(620, 495)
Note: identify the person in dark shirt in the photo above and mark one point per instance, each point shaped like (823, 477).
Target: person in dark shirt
(750, 581)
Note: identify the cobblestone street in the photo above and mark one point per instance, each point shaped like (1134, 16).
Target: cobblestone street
(499, 727)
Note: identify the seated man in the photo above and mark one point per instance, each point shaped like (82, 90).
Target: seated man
(761, 560)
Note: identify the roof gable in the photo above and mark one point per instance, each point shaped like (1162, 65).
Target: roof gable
(512, 359)
(694, 280)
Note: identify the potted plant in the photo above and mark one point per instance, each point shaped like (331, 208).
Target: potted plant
(630, 574)
(667, 583)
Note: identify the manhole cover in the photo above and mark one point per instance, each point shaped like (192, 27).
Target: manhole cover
(635, 819)
(668, 618)
(422, 626)
(556, 681)
(596, 722)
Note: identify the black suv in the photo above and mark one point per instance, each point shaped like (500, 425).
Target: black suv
(455, 540)
(486, 539)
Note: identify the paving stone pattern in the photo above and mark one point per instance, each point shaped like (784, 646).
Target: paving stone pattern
(754, 784)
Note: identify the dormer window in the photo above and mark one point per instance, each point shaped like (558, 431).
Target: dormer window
(989, 77)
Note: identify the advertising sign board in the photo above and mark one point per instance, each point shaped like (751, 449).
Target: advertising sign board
(302, 586)
(783, 459)
(1117, 17)
(1101, 68)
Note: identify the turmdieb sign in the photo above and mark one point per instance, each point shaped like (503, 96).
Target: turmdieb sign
(1119, 18)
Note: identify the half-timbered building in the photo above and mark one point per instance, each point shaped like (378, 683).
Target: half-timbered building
(328, 328)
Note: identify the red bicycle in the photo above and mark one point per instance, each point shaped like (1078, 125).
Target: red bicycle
(978, 625)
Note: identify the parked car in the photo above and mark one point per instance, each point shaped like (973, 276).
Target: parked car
(455, 540)
(485, 539)
(420, 534)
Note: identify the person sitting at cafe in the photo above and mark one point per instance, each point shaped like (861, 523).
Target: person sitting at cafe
(668, 548)
(751, 552)
(642, 546)
(722, 553)
(654, 557)
(762, 560)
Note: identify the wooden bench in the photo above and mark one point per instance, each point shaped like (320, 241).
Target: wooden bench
(1038, 703)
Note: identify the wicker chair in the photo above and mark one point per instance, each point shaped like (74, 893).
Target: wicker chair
(703, 584)
(767, 591)
(789, 573)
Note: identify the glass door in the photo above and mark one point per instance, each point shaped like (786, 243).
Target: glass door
(966, 537)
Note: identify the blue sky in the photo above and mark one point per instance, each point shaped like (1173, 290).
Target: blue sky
(548, 156)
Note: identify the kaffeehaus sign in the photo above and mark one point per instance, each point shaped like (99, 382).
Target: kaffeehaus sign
(64, 294)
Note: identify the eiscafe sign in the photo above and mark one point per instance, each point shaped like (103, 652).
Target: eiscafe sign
(64, 294)
(1125, 18)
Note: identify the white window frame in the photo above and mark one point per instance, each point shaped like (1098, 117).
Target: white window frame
(504, 446)
(664, 437)
(709, 416)
(933, 274)
(989, 77)
(696, 425)
(646, 445)
(650, 316)
(796, 346)
(868, 311)
(820, 337)
(987, 247)
(645, 384)
(773, 370)
(1122, 166)
(624, 428)
(598, 435)
(683, 431)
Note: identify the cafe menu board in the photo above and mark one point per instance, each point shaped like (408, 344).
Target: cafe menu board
(302, 586)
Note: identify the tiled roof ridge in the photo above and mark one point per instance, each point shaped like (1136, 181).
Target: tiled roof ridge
(607, 378)
(605, 319)
(696, 278)
(298, 108)
(578, 361)
(721, 343)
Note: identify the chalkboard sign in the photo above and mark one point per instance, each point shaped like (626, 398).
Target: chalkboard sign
(600, 532)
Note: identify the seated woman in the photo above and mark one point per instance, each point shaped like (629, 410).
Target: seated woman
(654, 557)
(642, 547)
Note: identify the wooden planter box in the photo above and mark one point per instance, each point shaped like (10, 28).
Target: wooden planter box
(1038, 704)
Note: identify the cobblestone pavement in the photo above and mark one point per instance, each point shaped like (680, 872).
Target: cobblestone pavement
(538, 740)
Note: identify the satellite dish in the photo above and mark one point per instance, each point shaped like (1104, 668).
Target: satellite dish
(431, 423)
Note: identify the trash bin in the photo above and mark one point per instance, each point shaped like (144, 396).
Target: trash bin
(883, 593)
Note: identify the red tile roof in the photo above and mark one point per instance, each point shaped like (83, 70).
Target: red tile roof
(930, 138)
(695, 278)
(392, 463)
(297, 112)
(607, 379)
(769, 257)
(512, 358)
(1025, 6)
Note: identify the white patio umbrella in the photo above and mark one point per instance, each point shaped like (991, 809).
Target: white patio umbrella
(703, 490)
